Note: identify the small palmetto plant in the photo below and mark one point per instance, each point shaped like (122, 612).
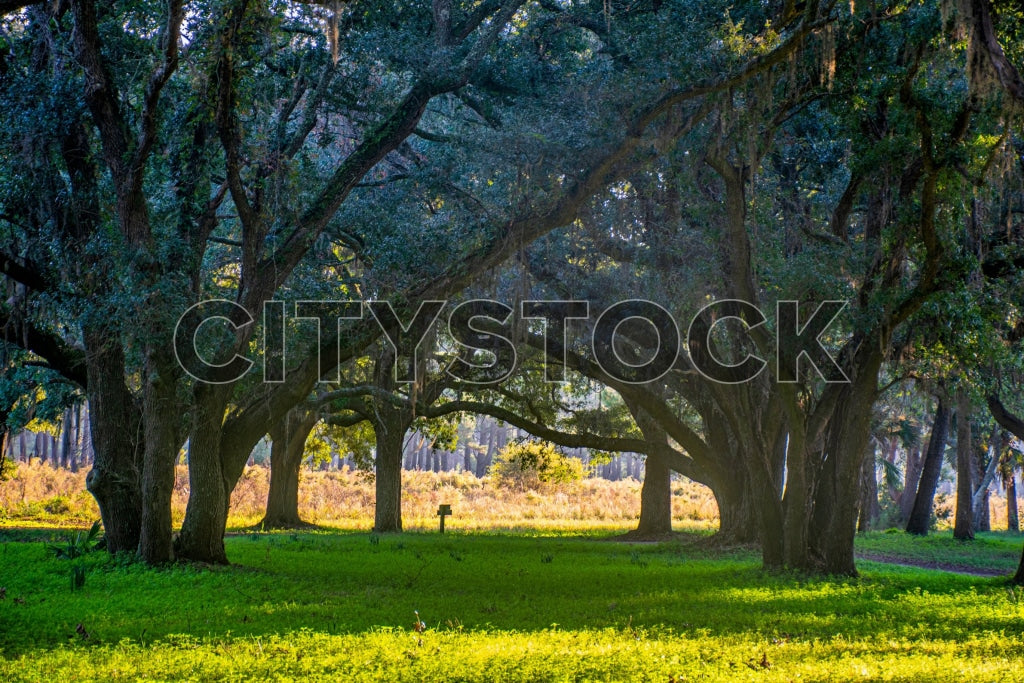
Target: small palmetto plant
(73, 548)
(77, 546)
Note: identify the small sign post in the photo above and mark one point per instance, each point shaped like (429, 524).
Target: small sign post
(443, 511)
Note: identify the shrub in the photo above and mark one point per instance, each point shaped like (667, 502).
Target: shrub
(8, 468)
(58, 505)
(529, 464)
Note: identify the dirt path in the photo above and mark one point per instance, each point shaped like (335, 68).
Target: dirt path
(926, 564)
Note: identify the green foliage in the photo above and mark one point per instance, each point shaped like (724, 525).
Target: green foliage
(356, 441)
(610, 418)
(528, 464)
(34, 397)
(443, 433)
(77, 577)
(80, 544)
(891, 474)
(75, 547)
(7, 467)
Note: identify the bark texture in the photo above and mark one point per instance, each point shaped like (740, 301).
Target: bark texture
(287, 450)
(655, 500)
(390, 434)
(116, 422)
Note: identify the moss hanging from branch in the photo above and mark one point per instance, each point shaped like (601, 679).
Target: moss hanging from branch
(989, 70)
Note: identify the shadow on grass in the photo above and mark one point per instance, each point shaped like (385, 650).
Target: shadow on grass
(280, 527)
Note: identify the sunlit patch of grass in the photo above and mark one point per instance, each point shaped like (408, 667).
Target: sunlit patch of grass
(545, 655)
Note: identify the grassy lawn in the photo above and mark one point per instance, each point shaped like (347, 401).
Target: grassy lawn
(340, 606)
(994, 552)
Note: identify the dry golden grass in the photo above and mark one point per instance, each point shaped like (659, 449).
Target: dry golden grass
(39, 494)
(345, 499)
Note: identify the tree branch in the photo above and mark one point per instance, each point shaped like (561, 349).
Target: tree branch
(169, 37)
(61, 356)
(10, 6)
(24, 272)
(100, 92)
(1004, 417)
(376, 144)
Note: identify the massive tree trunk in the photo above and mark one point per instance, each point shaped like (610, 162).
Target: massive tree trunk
(389, 431)
(963, 528)
(836, 492)
(656, 491)
(931, 469)
(747, 460)
(772, 533)
(288, 447)
(835, 436)
(162, 426)
(655, 500)
(797, 500)
(763, 488)
(764, 496)
(737, 514)
(115, 428)
(210, 484)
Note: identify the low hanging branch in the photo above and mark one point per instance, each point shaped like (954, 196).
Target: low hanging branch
(23, 271)
(58, 354)
(676, 460)
(1005, 418)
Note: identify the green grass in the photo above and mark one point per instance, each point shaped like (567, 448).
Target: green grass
(989, 551)
(340, 606)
